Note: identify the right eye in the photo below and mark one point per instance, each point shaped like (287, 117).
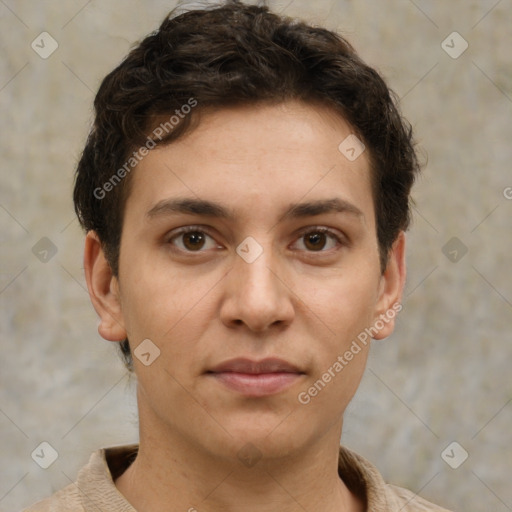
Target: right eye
(192, 239)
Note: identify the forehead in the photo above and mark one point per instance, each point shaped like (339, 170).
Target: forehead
(257, 156)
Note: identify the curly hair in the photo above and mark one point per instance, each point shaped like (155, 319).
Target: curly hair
(224, 55)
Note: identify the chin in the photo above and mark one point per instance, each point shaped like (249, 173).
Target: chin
(272, 439)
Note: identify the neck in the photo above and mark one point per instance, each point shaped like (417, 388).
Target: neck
(171, 473)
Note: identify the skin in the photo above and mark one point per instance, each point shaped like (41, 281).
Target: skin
(302, 302)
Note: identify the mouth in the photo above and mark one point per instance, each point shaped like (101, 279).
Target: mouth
(256, 378)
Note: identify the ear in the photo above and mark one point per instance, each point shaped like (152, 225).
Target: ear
(390, 289)
(103, 290)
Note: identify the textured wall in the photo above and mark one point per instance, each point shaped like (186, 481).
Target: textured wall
(442, 377)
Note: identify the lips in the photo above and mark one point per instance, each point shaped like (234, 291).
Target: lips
(242, 365)
(256, 378)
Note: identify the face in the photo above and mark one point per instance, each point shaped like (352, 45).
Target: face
(249, 258)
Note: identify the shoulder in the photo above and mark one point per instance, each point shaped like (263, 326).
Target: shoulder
(366, 482)
(411, 502)
(64, 500)
(94, 488)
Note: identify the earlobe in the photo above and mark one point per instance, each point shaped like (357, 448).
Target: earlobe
(103, 290)
(391, 288)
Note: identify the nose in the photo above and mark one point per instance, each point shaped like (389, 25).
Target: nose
(256, 295)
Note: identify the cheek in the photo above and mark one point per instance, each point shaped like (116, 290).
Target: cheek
(169, 309)
(152, 296)
(344, 304)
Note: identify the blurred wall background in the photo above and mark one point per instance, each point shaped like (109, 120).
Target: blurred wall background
(444, 375)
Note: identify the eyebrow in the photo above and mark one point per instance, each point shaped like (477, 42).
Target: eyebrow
(190, 206)
(322, 206)
(211, 209)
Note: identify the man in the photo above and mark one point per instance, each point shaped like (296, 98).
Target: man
(245, 191)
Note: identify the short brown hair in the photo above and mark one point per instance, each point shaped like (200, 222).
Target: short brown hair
(230, 54)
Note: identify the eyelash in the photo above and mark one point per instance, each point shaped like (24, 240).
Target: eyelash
(340, 240)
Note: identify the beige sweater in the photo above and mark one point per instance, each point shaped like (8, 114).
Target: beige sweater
(94, 489)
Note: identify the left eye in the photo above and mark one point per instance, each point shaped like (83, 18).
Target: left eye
(193, 241)
(318, 240)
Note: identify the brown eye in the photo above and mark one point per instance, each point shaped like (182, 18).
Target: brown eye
(194, 240)
(315, 241)
(318, 240)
